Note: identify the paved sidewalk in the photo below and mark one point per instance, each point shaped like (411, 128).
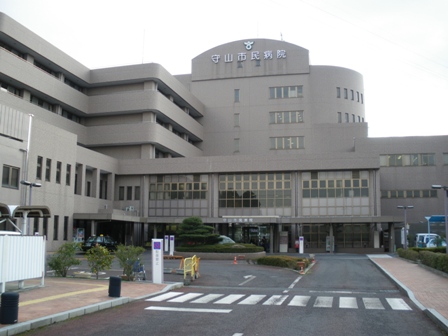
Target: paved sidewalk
(64, 298)
(427, 288)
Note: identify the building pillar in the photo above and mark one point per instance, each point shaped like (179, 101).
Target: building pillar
(391, 237)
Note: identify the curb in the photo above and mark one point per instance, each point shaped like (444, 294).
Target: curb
(21, 327)
(433, 314)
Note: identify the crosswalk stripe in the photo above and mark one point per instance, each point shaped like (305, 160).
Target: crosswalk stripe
(229, 299)
(398, 304)
(323, 302)
(185, 297)
(252, 299)
(372, 303)
(348, 302)
(208, 298)
(275, 300)
(191, 310)
(299, 301)
(164, 297)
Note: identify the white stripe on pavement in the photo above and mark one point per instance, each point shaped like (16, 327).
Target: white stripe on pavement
(323, 302)
(252, 299)
(299, 301)
(275, 300)
(190, 310)
(208, 298)
(348, 302)
(229, 299)
(372, 303)
(398, 304)
(165, 296)
(186, 297)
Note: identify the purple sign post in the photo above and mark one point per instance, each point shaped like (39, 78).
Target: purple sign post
(157, 261)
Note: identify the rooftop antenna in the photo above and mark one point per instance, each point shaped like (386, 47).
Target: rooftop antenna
(281, 36)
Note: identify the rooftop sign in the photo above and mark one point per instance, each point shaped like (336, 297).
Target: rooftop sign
(252, 55)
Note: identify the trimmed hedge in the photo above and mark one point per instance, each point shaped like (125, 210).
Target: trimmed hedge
(222, 248)
(438, 261)
(283, 261)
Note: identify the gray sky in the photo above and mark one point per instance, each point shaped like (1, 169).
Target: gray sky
(399, 46)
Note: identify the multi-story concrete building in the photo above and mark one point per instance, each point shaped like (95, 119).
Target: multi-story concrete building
(255, 141)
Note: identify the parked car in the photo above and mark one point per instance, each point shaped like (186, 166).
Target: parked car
(435, 242)
(226, 240)
(421, 239)
(101, 240)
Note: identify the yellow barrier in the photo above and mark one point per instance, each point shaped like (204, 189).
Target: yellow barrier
(191, 266)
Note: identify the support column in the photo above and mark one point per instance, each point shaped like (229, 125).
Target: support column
(391, 237)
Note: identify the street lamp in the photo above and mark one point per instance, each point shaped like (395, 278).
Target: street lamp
(31, 185)
(405, 207)
(445, 205)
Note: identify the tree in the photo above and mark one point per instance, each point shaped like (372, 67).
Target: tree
(63, 259)
(99, 259)
(192, 231)
(127, 256)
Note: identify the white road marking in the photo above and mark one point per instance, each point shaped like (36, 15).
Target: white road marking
(252, 299)
(208, 298)
(291, 286)
(249, 278)
(164, 297)
(229, 299)
(323, 302)
(190, 310)
(372, 303)
(299, 301)
(185, 297)
(275, 300)
(398, 304)
(348, 302)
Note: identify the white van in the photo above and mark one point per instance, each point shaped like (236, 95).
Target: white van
(9, 233)
(421, 239)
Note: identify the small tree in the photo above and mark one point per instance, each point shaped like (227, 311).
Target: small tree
(99, 259)
(192, 231)
(127, 256)
(63, 259)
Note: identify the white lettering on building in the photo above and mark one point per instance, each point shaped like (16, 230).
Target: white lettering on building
(254, 55)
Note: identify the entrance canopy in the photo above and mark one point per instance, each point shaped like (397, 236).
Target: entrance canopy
(19, 211)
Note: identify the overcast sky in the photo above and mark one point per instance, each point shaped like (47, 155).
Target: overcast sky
(399, 46)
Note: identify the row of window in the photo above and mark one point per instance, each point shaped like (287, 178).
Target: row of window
(359, 97)
(286, 117)
(426, 193)
(56, 225)
(132, 193)
(288, 142)
(48, 167)
(354, 118)
(399, 160)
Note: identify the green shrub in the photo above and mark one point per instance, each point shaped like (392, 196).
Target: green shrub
(410, 254)
(99, 259)
(283, 261)
(438, 261)
(193, 232)
(63, 259)
(127, 255)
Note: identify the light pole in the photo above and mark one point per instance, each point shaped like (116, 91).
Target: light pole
(445, 205)
(405, 207)
(31, 185)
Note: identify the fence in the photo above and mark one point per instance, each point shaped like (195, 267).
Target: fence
(23, 258)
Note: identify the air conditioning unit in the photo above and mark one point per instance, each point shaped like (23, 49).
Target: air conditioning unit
(131, 208)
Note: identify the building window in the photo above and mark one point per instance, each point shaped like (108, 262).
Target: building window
(10, 178)
(237, 95)
(398, 160)
(293, 142)
(56, 227)
(353, 118)
(48, 170)
(286, 92)
(36, 226)
(40, 160)
(58, 172)
(236, 120)
(287, 117)
(357, 96)
(338, 92)
(45, 228)
(68, 174)
(362, 99)
(128, 193)
(352, 94)
(88, 188)
(347, 118)
(445, 158)
(345, 93)
(339, 117)
(121, 193)
(65, 228)
(137, 193)
(236, 145)
(175, 187)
